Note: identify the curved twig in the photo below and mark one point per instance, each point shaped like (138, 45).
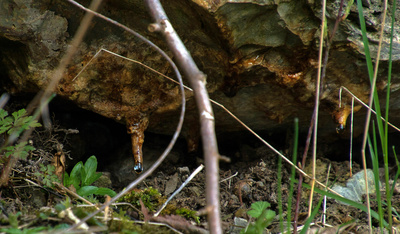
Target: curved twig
(178, 128)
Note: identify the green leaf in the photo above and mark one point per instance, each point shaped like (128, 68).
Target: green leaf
(18, 114)
(94, 190)
(67, 181)
(83, 176)
(105, 191)
(5, 122)
(75, 176)
(87, 190)
(3, 114)
(90, 171)
(258, 208)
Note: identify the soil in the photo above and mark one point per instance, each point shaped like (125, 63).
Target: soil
(252, 175)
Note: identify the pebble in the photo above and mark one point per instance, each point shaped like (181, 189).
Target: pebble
(260, 184)
(239, 224)
(171, 184)
(183, 170)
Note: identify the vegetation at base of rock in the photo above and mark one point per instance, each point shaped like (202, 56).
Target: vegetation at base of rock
(12, 126)
(83, 175)
(46, 175)
(152, 199)
(263, 216)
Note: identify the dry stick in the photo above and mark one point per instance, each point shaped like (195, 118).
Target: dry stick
(368, 119)
(197, 80)
(230, 177)
(180, 188)
(178, 128)
(316, 110)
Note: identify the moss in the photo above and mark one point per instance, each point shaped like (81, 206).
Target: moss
(150, 197)
(152, 200)
(189, 214)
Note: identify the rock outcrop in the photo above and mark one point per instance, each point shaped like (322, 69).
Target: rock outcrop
(260, 58)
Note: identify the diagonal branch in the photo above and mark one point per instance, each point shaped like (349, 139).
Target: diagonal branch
(197, 81)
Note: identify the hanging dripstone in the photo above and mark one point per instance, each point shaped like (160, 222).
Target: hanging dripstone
(136, 129)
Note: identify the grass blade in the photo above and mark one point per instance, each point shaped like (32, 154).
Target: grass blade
(293, 172)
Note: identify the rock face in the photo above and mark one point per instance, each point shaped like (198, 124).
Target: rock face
(260, 57)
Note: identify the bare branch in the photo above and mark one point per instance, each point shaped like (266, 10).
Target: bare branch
(197, 81)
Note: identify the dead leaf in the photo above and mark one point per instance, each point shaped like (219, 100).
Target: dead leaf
(59, 163)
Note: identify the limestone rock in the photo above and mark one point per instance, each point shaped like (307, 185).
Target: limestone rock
(260, 58)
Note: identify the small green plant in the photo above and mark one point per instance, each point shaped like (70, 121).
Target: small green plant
(263, 216)
(47, 175)
(83, 175)
(13, 126)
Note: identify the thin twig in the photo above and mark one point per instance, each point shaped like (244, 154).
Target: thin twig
(316, 110)
(351, 137)
(178, 128)
(180, 188)
(126, 204)
(197, 81)
(230, 177)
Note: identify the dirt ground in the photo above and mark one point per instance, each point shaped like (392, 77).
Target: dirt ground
(251, 176)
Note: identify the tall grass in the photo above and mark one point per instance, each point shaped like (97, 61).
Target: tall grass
(382, 125)
(293, 173)
(377, 137)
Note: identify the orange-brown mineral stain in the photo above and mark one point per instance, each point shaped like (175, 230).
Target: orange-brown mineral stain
(340, 116)
(136, 129)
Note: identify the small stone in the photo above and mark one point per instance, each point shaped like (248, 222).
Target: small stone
(183, 170)
(104, 181)
(38, 198)
(171, 184)
(239, 224)
(234, 200)
(246, 188)
(260, 184)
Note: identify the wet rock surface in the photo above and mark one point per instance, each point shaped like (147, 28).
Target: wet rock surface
(260, 58)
